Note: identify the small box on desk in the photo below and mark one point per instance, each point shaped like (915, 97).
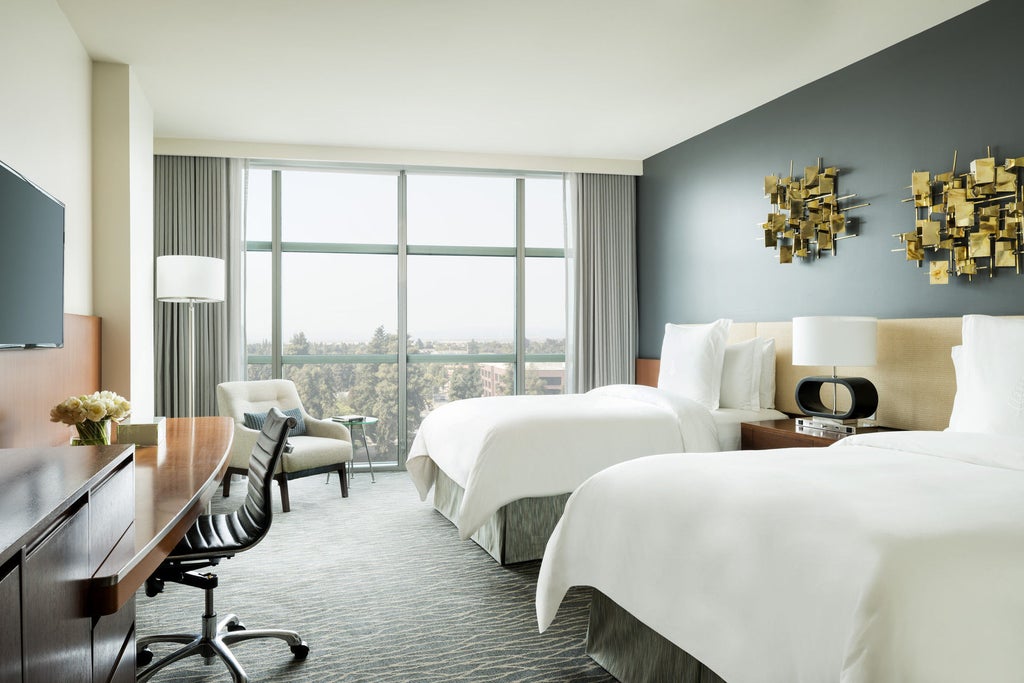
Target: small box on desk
(147, 432)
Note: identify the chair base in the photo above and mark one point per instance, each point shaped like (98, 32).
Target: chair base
(213, 642)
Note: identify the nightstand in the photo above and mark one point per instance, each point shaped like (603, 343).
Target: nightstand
(755, 436)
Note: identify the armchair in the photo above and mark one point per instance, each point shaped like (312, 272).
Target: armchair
(326, 446)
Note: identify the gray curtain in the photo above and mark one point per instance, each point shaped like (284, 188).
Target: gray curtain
(601, 280)
(197, 203)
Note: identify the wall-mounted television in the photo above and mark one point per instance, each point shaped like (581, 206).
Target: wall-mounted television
(31, 264)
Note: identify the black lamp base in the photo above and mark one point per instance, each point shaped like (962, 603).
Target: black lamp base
(863, 397)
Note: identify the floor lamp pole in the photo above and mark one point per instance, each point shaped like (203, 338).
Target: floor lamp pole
(190, 402)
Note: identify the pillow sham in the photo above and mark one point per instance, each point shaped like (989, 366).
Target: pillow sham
(766, 388)
(989, 377)
(741, 375)
(691, 361)
(256, 420)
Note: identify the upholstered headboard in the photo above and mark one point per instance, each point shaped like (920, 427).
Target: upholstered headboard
(914, 374)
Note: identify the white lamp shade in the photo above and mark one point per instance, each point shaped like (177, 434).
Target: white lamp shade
(189, 278)
(835, 340)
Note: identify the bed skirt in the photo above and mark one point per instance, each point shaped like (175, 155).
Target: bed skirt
(517, 532)
(633, 652)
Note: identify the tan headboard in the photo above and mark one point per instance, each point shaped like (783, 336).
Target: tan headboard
(914, 375)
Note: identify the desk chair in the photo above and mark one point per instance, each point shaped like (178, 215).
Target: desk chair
(213, 538)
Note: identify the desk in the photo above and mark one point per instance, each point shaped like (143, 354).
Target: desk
(174, 482)
(81, 528)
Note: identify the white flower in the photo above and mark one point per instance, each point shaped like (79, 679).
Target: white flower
(102, 405)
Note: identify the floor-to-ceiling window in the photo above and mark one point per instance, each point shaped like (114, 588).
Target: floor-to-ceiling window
(468, 269)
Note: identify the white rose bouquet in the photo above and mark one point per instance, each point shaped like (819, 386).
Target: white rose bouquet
(91, 415)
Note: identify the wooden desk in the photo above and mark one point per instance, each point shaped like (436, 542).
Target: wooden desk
(81, 528)
(173, 484)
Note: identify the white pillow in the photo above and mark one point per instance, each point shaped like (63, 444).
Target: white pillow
(691, 361)
(989, 377)
(766, 390)
(741, 375)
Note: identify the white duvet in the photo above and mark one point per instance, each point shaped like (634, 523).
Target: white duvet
(886, 557)
(500, 449)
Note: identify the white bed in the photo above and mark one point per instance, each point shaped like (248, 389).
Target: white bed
(886, 557)
(504, 448)
(482, 455)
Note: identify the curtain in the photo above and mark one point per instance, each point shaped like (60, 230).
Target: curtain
(601, 342)
(197, 205)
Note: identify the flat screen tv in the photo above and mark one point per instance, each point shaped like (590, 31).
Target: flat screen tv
(31, 264)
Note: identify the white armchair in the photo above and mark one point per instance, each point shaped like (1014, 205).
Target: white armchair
(326, 446)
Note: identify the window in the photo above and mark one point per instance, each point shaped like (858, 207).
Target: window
(343, 263)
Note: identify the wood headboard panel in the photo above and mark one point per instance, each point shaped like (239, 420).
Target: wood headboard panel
(914, 374)
(34, 380)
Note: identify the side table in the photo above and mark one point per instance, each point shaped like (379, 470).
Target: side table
(360, 421)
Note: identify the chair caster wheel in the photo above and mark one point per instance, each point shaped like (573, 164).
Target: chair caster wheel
(236, 627)
(300, 651)
(143, 657)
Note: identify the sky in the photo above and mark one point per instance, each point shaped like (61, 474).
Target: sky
(345, 297)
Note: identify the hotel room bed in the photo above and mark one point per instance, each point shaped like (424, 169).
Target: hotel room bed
(889, 556)
(502, 467)
(893, 556)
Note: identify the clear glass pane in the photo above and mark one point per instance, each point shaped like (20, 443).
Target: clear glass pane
(258, 304)
(433, 384)
(338, 303)
(325, 206)
(545, 378)
(461, 210)
(462, 302)
(544, 213)
(258, 206)
(545, 305)
(370, 389)
(257, 371)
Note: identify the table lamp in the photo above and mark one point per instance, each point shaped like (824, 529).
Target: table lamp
(191, 280)
(836, 341)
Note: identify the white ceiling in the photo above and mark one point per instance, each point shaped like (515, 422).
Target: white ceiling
(611, 79)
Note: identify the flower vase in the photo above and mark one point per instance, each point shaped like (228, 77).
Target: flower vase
(92, 433)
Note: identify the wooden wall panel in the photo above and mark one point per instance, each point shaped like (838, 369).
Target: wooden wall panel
(34, 380)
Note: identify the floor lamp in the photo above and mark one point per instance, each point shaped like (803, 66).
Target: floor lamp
(191, 280)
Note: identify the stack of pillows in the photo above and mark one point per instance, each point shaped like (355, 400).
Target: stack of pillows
(989, 370)
(697, 362)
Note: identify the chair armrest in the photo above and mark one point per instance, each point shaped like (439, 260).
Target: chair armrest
(242, 445)
(327, 429)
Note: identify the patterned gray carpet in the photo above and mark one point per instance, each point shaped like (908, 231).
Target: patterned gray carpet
(382, 589)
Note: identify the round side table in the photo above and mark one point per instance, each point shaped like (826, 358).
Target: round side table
(352, 423)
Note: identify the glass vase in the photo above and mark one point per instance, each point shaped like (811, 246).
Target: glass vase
(92, 433)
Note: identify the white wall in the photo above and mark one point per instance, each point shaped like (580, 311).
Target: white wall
(122, 128)
(45, 92)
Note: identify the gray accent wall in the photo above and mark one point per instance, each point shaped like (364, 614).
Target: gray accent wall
(957, 86)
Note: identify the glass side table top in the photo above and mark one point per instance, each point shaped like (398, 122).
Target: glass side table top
(350, 420)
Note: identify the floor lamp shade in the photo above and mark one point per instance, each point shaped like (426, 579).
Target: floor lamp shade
(191, 280)
(837, 341)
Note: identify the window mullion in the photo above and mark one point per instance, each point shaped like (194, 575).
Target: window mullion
(520, 303)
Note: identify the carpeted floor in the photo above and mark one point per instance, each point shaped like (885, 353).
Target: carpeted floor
(382, 590)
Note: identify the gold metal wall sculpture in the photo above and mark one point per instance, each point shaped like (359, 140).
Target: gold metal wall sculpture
(815, 221)
(975, 217)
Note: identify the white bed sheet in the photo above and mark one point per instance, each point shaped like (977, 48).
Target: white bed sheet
(503, 448)
(886, 557)
(728, 420)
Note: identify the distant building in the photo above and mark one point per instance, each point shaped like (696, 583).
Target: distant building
(541, 378)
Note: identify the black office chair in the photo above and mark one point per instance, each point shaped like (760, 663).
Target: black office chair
(211, 539)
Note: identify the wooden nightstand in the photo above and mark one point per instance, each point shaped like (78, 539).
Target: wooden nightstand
(755, 436)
